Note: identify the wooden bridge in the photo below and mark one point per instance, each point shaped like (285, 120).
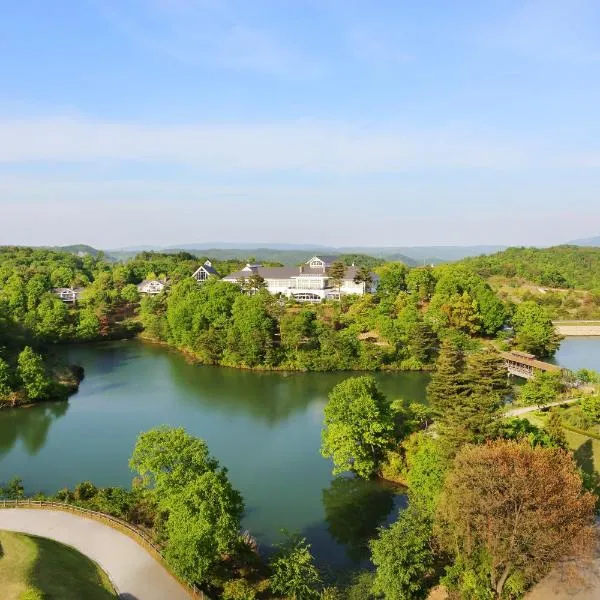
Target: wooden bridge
(523, 364)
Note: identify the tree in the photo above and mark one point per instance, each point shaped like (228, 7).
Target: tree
(88, 326)
(203, 525)
(297, 329)
(5, 379)
(534, 330)
(590, 405)
(554, 428)
(13, 490)
(32, 373)
(544, 388)
(364, 276)
(168, 459)
(392, 279)
(421, 282)
(462, 312)
(337, 272)
(358, 426)
(403, 557)
(509, 511)
(448, 382)
(130, 293)
(294, 574)
(202, 509)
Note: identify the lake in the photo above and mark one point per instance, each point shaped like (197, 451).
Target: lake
(264, 427)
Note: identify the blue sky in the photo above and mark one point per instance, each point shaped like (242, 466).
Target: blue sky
(321, 121)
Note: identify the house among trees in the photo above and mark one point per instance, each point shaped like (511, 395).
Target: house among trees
(151, 287)
(320, 278)
(68, 295)
(204, 272)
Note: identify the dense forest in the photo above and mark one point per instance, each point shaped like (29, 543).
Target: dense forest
(401, 326)
(557, 267)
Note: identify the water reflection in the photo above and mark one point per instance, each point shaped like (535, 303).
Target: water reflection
(30, 425)
(349, 497)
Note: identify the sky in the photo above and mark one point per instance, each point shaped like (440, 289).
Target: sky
(334, 122)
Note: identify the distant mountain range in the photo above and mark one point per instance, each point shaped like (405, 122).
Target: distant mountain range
(295, 253)
(592, 241)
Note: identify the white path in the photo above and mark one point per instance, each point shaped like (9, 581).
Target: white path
(515, 412)
(135, 574)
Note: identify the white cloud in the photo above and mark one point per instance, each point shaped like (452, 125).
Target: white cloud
(298, 146)
(206, 33)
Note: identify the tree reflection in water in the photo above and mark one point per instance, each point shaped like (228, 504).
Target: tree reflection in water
(30, 425)
(355, 508)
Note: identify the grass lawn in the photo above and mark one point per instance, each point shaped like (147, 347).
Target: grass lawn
(585, 449)
(58, 571)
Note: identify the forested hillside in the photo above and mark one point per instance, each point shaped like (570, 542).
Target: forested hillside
(559, 267)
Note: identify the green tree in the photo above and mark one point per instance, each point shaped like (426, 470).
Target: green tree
(203, 525)
(203, 511)
(463, 313)
(544, 388)
(294, 574)
(534, 330)
(250, 337)
(358, 426)
(130, 293)
(590, 405)
(52, 318)
(403, 557)
(337, 272)
(5, 379)
(392, 279)
(421, 282)
(448, 382)
(554, 428)
(168, 459)
(88, 326)
(297, 329)
(13, 490)
(32, 374)
(364, 276)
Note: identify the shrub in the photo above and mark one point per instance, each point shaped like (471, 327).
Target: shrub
(32, 593)
(238, 589)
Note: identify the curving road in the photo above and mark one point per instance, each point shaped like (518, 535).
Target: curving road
(135, 574)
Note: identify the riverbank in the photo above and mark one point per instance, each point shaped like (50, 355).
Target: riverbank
(577, 328)
(65, 381)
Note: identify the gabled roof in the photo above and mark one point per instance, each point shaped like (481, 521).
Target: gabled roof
(147, 281)
(328, 259)
(207, 266)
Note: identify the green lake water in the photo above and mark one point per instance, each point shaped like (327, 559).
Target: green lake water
(264, 427)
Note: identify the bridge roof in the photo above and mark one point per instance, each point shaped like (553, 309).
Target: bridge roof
(521, 358)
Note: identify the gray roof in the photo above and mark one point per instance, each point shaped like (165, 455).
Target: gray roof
(326, 258)
(163, 281)
(208, 268)
(287, 273)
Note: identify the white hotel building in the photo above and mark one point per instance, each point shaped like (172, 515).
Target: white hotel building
(308, 283)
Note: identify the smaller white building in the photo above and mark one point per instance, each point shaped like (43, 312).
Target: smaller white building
(151, 287)
(68, 295)
(204, 272)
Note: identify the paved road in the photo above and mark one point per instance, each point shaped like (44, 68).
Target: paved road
(515, 412)
(135, 574)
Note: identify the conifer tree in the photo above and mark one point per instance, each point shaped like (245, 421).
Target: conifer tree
(554, 429)
(448, 382)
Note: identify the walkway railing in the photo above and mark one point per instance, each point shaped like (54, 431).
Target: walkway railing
(137, 534)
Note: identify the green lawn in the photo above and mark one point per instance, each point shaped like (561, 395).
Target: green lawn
(59, 572)
(585, 449)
